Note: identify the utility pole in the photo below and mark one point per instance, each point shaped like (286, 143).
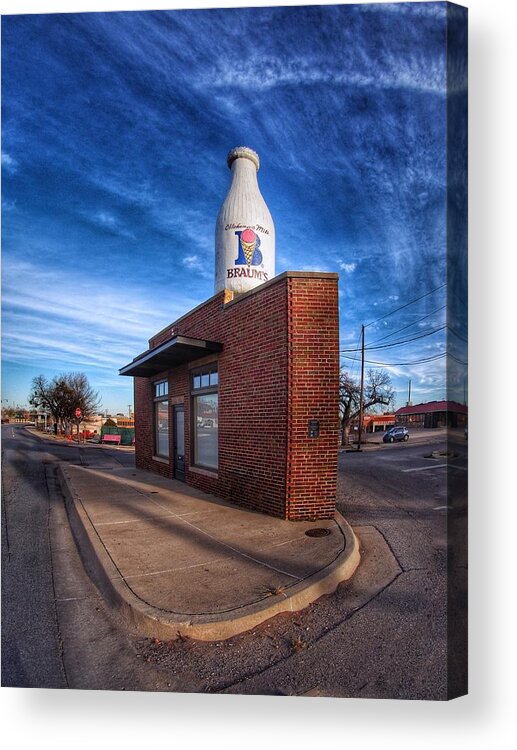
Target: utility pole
(361, 393)
(409, 393)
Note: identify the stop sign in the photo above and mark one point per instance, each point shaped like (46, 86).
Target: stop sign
(78, 412)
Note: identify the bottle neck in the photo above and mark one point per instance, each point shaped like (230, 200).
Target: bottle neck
(244, 173)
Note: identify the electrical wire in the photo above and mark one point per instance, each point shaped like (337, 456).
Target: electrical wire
(397, 343)
(356, 359)
(457, 335)
(406, 305)
(439, 309)
(395, 364)
(414, 362)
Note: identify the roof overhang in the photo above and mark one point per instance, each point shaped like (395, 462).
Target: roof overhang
(172, 353)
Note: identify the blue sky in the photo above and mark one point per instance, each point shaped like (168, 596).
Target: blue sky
(115, 132)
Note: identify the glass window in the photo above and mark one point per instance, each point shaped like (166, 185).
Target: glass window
(205, 410)
(161, 389)
(162, 428)
(206, 423)
(205, 377)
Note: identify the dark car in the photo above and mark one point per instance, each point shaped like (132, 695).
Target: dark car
(395, 433)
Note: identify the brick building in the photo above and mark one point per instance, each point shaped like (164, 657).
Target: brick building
(239, 397)
(433, 414)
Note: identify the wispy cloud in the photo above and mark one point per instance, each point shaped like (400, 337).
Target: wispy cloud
(63, 317)
(109, 223)
(120, 124)
(195, 263)
(347, 267)
(9, 163)
(264, 73)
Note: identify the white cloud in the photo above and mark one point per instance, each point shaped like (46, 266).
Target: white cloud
(106, 220)
(196, 264)
(53, 315)
(347, 267)
(263, 73)
(8, 163)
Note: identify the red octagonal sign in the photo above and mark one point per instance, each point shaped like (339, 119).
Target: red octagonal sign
(78, 412)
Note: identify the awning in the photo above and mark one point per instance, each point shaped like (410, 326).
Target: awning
(176, 351)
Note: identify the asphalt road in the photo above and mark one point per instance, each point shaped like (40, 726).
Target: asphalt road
(382, 634)
(56, 630)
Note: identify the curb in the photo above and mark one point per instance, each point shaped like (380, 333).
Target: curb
(153, 622)
(64, 441)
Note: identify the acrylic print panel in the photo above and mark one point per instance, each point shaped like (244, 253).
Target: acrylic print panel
(305, 534)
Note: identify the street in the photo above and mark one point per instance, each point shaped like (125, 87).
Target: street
(381, 634)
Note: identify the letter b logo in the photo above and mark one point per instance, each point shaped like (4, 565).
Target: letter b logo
(248, 250)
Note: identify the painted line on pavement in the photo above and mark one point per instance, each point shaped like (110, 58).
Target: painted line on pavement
(436, 466)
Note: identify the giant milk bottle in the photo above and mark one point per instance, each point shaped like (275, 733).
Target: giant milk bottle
(244, 231)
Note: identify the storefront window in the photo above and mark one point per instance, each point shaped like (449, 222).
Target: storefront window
(161, 419)
(205, 409)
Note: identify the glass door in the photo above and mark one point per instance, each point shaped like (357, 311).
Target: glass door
(179, 443)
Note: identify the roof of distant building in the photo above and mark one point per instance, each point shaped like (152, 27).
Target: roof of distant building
(431, 406)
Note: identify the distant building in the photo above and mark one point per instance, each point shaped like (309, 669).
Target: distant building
(378, 422)
(128, 422)
(433, 414)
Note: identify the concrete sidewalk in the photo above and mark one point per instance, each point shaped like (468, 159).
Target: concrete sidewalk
(177, 561)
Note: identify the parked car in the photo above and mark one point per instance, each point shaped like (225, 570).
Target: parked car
(395, 433)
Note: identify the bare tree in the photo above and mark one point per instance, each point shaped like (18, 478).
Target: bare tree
(81, 396)
(62, 395)
(378, 391)
(47, 395)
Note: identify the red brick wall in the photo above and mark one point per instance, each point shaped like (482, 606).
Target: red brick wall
(266, 461)
(313, 395)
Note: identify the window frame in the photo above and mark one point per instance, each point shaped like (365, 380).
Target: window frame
(212, 370)
(161, 387)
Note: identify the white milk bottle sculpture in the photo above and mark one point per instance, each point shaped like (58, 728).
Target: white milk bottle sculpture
(244, 231)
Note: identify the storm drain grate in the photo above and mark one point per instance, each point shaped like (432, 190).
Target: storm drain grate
(317, 532)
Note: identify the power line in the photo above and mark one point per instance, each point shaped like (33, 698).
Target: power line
(458, 335)
(406, 305)
(414, 362)
(356, 358)
(398, 343)
(439, 309)
(393, 364)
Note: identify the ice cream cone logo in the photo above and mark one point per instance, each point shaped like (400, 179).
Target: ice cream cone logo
(248, 242)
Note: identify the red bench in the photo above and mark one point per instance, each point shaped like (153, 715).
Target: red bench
(111, 439)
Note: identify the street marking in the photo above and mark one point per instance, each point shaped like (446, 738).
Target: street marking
(436, 466)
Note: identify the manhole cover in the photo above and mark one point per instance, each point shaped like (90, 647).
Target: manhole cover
(317, 532)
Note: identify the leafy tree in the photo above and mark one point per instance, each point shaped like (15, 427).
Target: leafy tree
(378, 390)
